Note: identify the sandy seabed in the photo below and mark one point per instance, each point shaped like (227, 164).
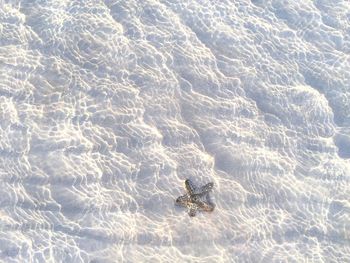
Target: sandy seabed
(106, 107)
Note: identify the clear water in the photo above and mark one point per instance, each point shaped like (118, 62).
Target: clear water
(106, 107)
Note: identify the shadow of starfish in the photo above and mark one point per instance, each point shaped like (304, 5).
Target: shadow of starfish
(193, 200)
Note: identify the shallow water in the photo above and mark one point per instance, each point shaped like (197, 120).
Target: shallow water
(106, 107)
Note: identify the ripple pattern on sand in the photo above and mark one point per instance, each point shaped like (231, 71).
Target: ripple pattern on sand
(106, 107)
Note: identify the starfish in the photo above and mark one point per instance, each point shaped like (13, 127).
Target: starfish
(193, 199)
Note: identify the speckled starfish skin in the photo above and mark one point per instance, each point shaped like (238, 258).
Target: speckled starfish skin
(193, 200)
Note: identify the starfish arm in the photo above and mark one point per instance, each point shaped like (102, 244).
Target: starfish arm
(208, 207)
(189, 186)
(192, 212)
(192, 208)
(206, 188)
(182, 200)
